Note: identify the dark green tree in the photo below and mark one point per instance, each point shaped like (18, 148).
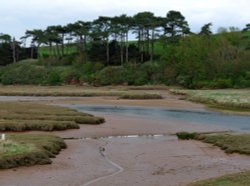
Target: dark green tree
(206, 30)
(175, 26)
(61, 31)
(37, 39)
(81, 30)
(142, 26)
(101, 32)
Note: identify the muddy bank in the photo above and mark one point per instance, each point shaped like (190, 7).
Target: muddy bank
(143, 161)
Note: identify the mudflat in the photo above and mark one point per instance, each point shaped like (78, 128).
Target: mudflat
(94, 158)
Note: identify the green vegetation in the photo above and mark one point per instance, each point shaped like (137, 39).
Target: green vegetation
(20, 116)
(227, 98)
(99, 52)
(29, 149)
(186, 135)
(230, 143)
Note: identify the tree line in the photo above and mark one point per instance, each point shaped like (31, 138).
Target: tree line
(145, 27)
(131, 43)
(106, 39)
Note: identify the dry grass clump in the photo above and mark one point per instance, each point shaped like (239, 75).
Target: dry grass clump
(29, 149)
(21, 116)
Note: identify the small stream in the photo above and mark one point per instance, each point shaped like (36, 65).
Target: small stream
(229, 121)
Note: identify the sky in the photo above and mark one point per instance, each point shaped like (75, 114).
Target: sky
(17, 16)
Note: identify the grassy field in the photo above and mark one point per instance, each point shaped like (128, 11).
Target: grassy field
(81, 91)
(29, 149)
(230, 143)
(69, 49)
(21, 116)
(225, 98)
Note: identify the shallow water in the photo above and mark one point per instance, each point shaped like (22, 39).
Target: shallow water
(229, 121)
(149, 136)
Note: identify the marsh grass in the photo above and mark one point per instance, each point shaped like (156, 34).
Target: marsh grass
(73, 91)
(232, 99)
(23, 116)
(141, 96)
(186, 135)
(29, 149)
(230, 143)
(77, 91)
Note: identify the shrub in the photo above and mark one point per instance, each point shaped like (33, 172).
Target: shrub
(110, 76)
(53, 78)
(23, 73)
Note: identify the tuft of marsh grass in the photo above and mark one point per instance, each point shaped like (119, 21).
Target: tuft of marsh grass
(23, 116)
(89, 120)
(186, 135)
(29, 149)
(141, 96)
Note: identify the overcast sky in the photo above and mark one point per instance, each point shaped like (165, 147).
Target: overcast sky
(16, 16)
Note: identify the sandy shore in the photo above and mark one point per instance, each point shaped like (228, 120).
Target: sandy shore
(130, 161)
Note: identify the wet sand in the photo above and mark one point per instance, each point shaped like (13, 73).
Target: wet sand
(142, 161)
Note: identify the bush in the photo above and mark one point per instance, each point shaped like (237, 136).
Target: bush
(221, 83)
(53, 78)
(23, 73)
(110, 76)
